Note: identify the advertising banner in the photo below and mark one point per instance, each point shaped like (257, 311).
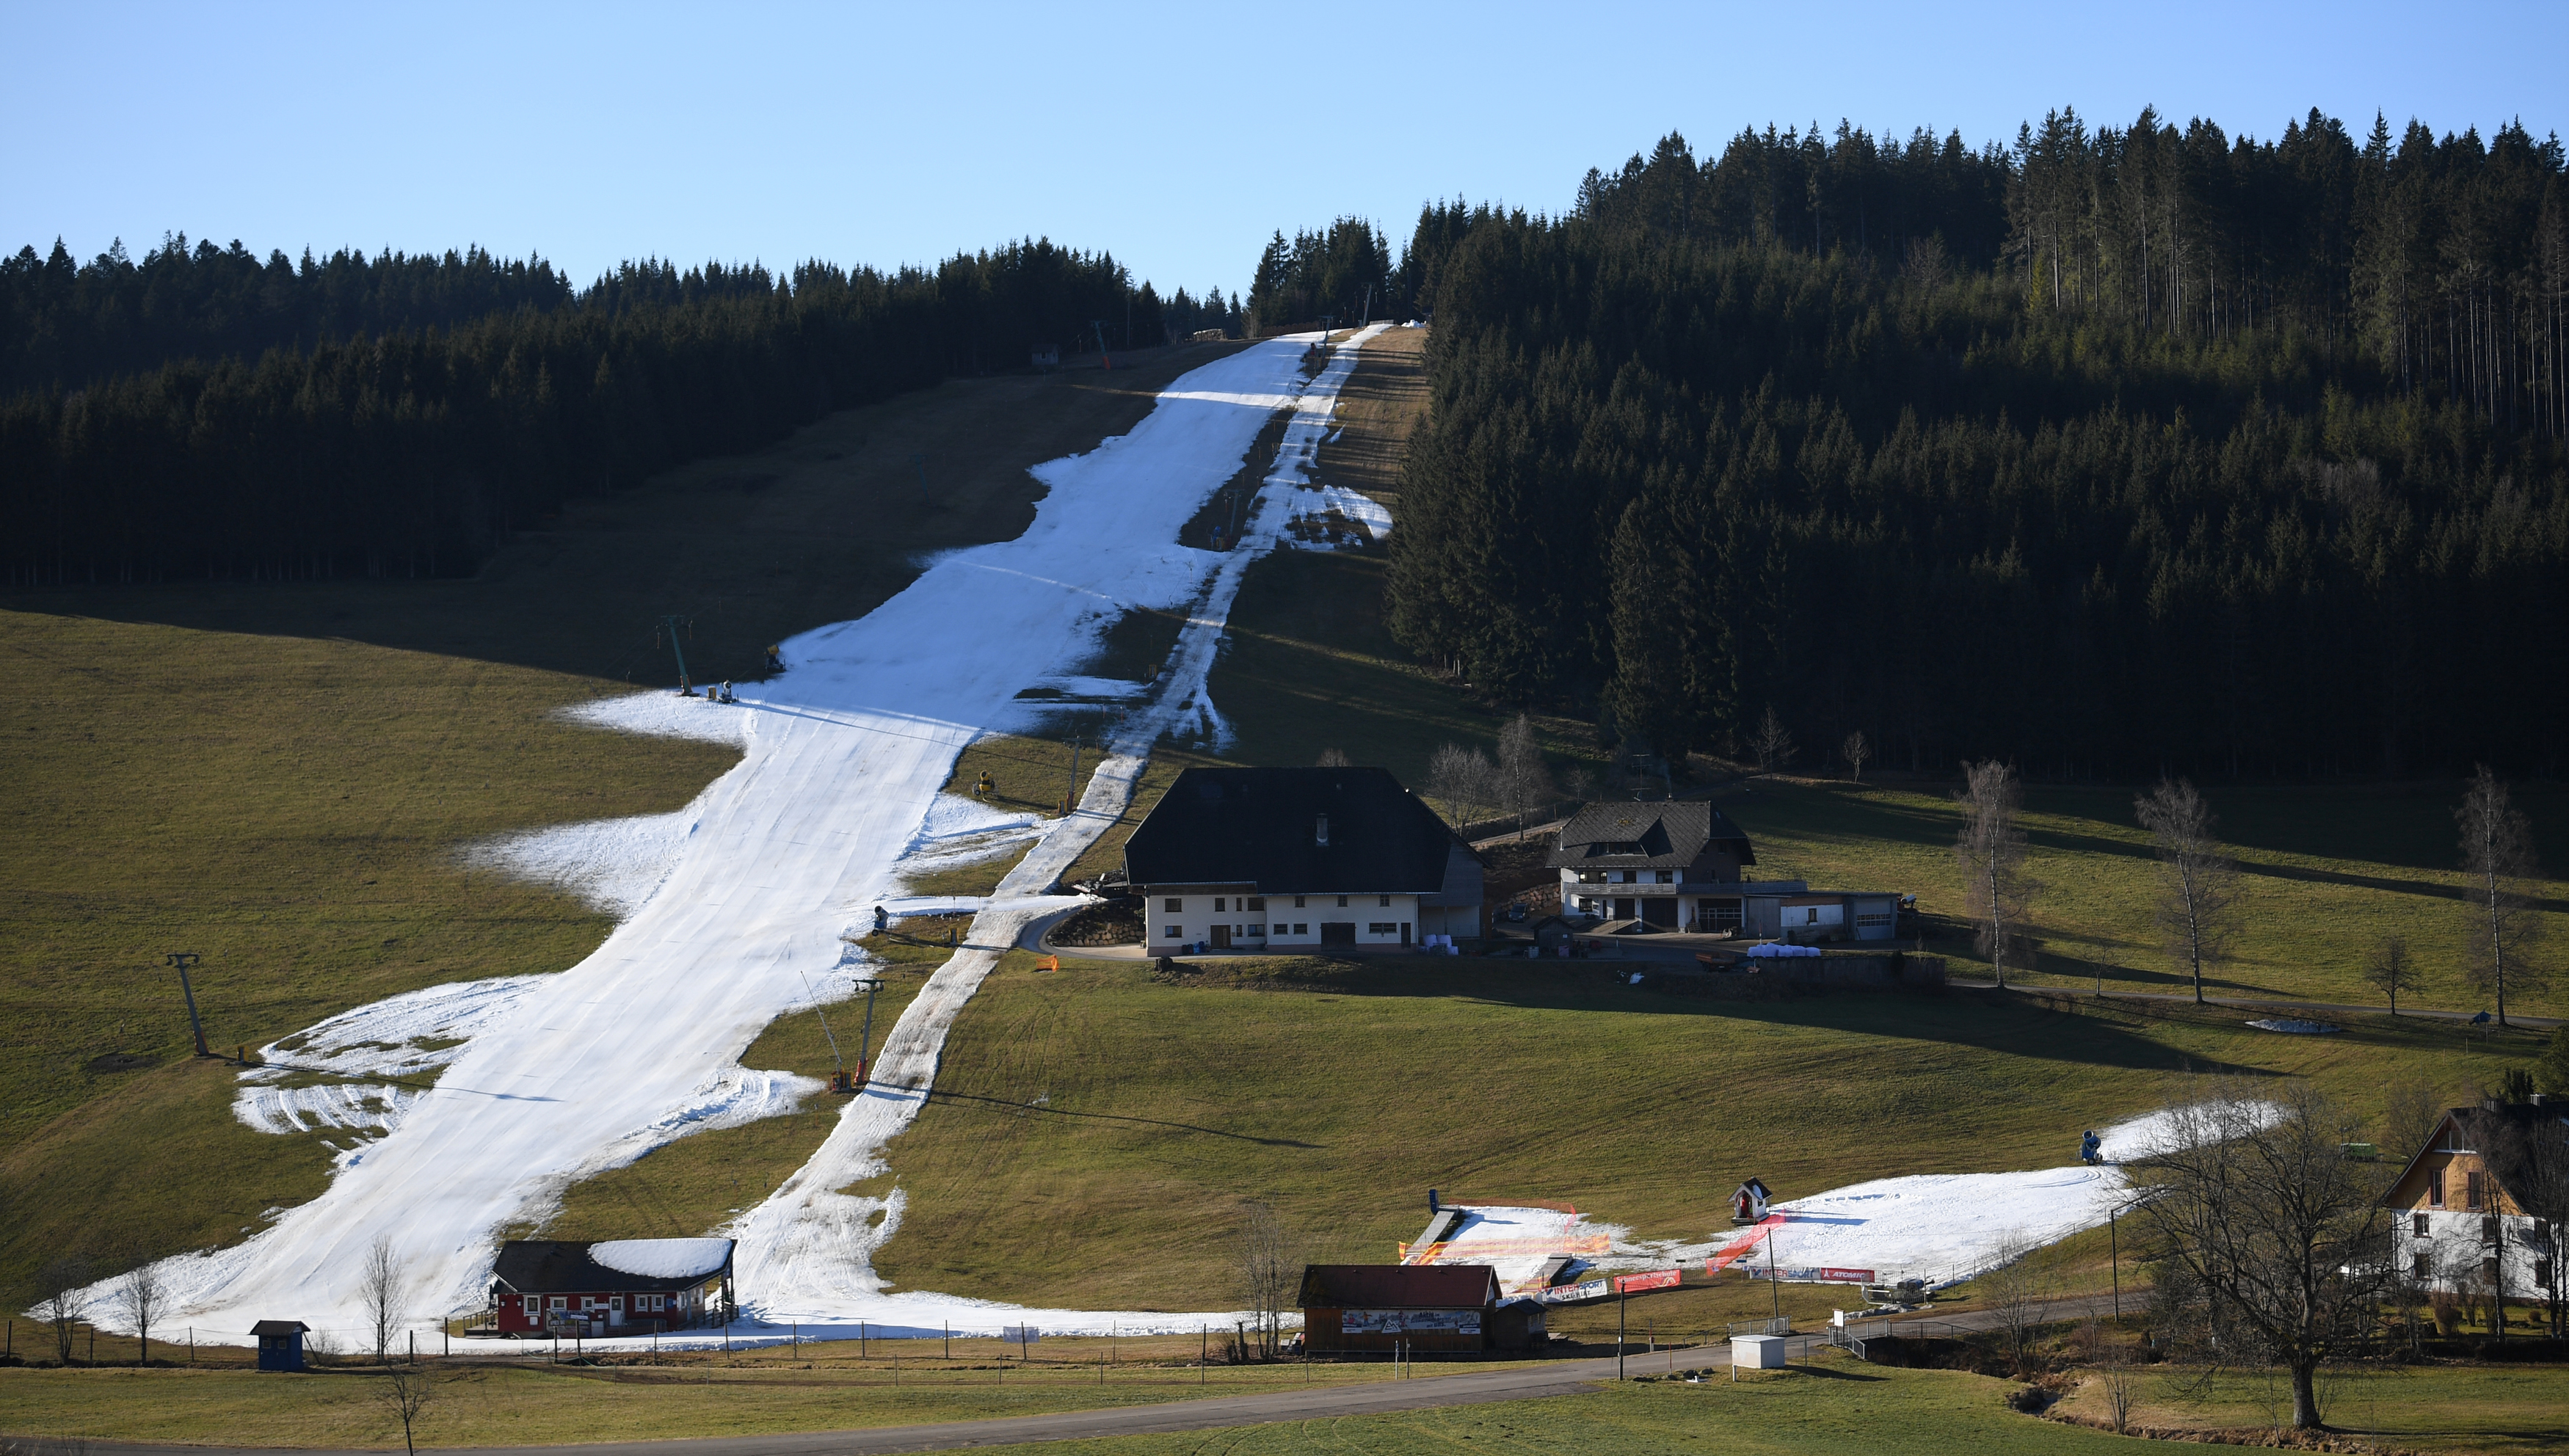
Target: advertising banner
(1846, 1276)
(1574, 1293)
(1410, 1321)
(1658, 1279)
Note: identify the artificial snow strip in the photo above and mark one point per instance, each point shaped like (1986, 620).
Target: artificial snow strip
(843, 758)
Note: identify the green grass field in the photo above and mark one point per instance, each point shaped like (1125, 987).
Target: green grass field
(1342, 1093)
(2499, 1409)
(1833, 1406)
(2325, 874)
(280, 776)
(530, 1402)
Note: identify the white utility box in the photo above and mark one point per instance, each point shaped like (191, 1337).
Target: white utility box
(1758, 1351)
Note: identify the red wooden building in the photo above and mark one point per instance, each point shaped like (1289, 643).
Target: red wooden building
(544, 1286)
(1442, 1308)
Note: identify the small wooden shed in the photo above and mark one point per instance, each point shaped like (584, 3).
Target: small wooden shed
(280, 1343)
(1449, 1308)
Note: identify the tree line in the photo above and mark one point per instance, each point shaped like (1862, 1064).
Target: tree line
(2093, 454)
(205, 413)
(1344, 270)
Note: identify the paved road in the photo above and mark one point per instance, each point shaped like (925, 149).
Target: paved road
(1473, 1387)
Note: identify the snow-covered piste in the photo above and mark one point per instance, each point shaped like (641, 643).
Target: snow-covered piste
(1937, 1227)
(739, 907)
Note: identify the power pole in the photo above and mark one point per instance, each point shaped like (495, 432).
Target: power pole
(183, 960)
(866, 1041)
(1071, 794)
(675, 626)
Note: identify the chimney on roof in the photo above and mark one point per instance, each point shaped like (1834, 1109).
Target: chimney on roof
(1321, 832)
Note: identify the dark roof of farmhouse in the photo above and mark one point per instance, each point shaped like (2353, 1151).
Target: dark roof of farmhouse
(1262, 827)
(544, 1266)
(1664, 836)
(1399, 1285)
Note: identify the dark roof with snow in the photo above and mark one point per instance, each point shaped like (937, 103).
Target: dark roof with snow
(1665, 836)
(1263, 828)
(271, 1329)
(551, 1266)
(1399, 1287)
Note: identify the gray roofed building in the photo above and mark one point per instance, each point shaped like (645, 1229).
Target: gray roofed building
(1675, 834)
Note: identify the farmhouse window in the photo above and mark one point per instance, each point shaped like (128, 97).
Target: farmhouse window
(535, 1306)
(2418, 1224)
(2542, 1274)
(1297, 902)
(2488, 1270)
(2436, 1188)
(1174, 905)
(2422, 1266)
(1667, 877)
(1257, 929)
(2488, 1229)
(615, 1301)
(1302, 928)
(2471, 1189)
(562, 1301)
(1382, 927)
(1342, 902)
(1256, 902)
(1173, 933)
(1386, 901)
(1283, 930)
(1220, 904)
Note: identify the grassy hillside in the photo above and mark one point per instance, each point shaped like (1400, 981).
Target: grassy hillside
(278, 776)
(2325, 874)
(1341, 1094)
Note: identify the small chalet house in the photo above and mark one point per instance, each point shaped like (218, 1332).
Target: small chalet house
(619, 1286)
(1261, 858)
(1677, 865)
(2460, 1226)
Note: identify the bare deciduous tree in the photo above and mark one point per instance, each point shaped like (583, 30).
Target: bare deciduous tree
(382, 1289)
(1465, 779)
(1333, 758)
(2529, 1151)
(2017, 1290)
(2497, 851)
(1525, 782)
(2196, 880)
(1991, 849)
(407, 1390)
(60, 1302)
(2272, 1245)
(2409, 1119)
(1270, 1273)
(139, 1297)
(1772, 744)
(1857, 750)
(2118, 1383)
(2390, 969)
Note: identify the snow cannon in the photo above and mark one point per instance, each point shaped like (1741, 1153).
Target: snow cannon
(2092, 1149)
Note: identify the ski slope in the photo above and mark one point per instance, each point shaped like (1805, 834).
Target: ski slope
(747, 894)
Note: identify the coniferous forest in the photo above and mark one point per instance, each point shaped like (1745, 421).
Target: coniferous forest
(204, 413)
(2116, 450)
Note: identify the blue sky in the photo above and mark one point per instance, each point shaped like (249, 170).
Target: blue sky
(1175, 137)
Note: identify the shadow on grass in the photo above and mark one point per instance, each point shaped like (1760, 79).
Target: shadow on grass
(2010, 1025)
(1012, 1105)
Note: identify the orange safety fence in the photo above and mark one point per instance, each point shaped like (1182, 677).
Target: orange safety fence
(1730, 1252)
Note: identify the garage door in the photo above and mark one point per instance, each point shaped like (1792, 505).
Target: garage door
(1337, 932)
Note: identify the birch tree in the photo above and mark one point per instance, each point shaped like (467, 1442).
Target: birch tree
(1991, 850)
(2497, 851)
(1269, 1268)
(2196, 880)
(1465, 779)
(1525, 783)
(1771, 742)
